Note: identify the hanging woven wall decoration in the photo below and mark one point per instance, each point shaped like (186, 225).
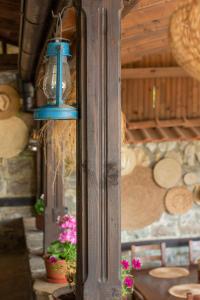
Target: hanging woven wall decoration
(9, 102)
(142, 200)
(185, 37)
(178, 200)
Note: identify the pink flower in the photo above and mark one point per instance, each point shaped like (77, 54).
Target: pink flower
(52, 259)
(67, 222)
(128, 281)
(68, 236)
(72, 236)
(125, 264)
(136, 264)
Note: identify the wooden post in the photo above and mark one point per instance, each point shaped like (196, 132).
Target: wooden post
(53, 193)
(98, 155)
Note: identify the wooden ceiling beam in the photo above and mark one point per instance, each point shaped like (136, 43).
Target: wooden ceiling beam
(156, 11)
(128, 5)
(164, 72)
(8, 39)
(163, 123)
(144, 30)
(69, 23)
(135, 51)
(8, 62)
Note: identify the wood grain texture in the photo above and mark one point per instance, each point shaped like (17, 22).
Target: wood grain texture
(53, 190)
(9, 21)
(145, 28)
(99, 152)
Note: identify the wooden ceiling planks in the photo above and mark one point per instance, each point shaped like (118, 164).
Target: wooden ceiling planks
(155, 99)
(10, 21)
(145, 28)
(173, 97)
(69, 24)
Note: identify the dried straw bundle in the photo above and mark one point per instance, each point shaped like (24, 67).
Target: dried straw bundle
(63, 140)
(185, 36)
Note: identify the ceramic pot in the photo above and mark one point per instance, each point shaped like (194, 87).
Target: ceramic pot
(56, 272)
(64, 294)
(40, 222)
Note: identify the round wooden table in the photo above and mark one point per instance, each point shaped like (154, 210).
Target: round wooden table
(156, 288)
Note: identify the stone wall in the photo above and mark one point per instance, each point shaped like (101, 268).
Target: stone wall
(70, 193)
(17, 174)
(17, 179)
(172, 226)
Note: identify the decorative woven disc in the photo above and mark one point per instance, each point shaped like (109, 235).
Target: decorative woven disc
(167, 172)
(9, 102)
(169, 272)
(190, 178)
(142, 200)
(184, 36)
(13, 137)
(196, 193)
(181, 291)
(128, 161)
(178, 200)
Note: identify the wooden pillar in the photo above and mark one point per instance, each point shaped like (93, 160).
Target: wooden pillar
(54, 191)
(99, 144)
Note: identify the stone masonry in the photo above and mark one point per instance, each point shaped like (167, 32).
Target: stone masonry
(172, 226)
(17, 179)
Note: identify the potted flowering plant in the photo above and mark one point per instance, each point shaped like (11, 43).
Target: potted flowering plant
(61, 254)
(39, 211)
(127, 277)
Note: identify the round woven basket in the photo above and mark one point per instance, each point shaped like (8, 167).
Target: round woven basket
(13, 137)
(142, 200)
(167, 172)
(178, 200)
(185, 36)
(9, 101)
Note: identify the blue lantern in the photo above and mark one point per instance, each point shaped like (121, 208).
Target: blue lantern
(57, 84)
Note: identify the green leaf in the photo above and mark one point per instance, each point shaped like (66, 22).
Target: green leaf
(39, 206)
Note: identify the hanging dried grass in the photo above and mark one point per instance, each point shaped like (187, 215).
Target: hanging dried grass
(63, 140)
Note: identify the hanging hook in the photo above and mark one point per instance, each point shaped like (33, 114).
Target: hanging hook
(154, 96)
(59, 16)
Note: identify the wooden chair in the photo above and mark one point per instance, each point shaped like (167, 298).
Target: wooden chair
(145, 253)
(137, 295)
(194, 251)
(193, 297)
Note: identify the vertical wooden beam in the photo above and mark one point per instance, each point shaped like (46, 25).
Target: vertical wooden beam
(99, 144)
(53, 193)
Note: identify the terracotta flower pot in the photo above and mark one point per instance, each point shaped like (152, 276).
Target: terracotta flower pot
(40, 222)
(64, 294)
(56, 271)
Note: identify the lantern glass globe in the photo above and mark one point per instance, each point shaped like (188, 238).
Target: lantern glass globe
(50, 79)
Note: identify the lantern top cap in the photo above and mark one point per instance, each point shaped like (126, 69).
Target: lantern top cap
(57, 45)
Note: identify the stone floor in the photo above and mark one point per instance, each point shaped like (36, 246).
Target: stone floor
(15, 277)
